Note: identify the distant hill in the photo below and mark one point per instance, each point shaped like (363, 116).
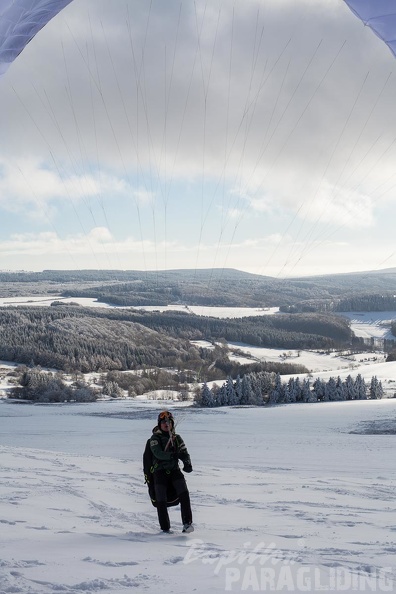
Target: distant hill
(64, 276)
(383, 271)
(211, 287)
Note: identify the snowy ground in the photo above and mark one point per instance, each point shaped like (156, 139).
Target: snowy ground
(315, 361)
(199, 310)
(296, 498)
(374, 324)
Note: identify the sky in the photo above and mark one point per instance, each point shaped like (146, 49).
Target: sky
(256, 134)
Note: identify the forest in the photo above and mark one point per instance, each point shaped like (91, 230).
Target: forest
(68, 337)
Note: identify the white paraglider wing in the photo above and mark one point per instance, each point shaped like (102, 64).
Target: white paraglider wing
(380, 16)
(20, 20)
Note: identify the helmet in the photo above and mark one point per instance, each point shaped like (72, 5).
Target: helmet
(165, 415)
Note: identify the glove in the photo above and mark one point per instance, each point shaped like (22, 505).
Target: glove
(187, 467)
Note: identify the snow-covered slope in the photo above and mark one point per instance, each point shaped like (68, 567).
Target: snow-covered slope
(298, 497)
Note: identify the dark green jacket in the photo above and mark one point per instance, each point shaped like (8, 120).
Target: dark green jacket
(163, 449)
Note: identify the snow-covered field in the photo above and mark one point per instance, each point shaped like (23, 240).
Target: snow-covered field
(199, 310)
(315, 361)
(375, 324)
(296, 498)
(45, 301)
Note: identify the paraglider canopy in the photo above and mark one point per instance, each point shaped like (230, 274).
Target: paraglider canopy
(195, 135)
(20, 20)
(380, 16)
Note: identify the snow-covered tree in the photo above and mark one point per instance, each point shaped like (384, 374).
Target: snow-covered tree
(306, 394)
(376, 390)
(319, 389)
(220, 397)
(266, 383)
(247, 393)
(112, 389)
(277, 394)
(331, 390)
(238, 389)
(255, 383)
(350, 388)
(341, 395)
(231, 397)
(291, 390)
(207, 398)
(360, 387)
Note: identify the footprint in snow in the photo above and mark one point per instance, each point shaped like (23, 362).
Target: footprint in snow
(173, 560)
(110, 563)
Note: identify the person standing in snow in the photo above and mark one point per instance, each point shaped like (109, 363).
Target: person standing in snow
(168, 448)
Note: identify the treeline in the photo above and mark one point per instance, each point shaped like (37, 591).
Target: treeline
(38, 386)
(131, 294)
(268, 389)
(362, 302)
(150, 292)
(303, 331)
(368, 302)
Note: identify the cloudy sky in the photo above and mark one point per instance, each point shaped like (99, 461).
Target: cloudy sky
(252, 134)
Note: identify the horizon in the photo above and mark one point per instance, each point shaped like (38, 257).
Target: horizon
(115, 270)
(198, 137)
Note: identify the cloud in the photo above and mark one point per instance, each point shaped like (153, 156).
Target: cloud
(30, 186)
(100, 234)
(313, 199)
(95, 240)
(144, 197)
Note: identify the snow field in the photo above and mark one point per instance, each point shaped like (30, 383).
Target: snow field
(285, 495)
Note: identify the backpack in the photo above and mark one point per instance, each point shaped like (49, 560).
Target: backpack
(148, 469)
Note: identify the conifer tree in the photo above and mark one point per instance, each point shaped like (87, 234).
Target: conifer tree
(306, 394)
(350, 388)
(277, 394)
(238, 389)
(207, 398)
(255, 384)
(376, 391)
(380, 390)
(231, 398)
(291, 391)
(341, 395)
(331, 390)
(221, 396)
(319, 389)
(360, 388)
(266, 384)
(247, 394)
